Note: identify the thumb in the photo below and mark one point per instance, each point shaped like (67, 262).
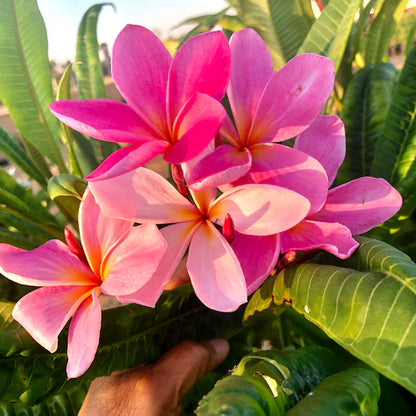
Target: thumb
(189, 361)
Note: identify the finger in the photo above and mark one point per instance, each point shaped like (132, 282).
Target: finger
(189, 361)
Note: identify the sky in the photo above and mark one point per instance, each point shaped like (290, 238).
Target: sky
(63, 17)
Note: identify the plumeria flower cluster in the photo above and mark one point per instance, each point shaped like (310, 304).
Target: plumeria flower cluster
(242, 197)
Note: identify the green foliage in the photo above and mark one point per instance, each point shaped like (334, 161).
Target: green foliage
(364, 111)
(329, 34)
(16, 153)
(89, 73)
(67, 190)
(90, 79)
(395, 150)
(382, 30)
(352, 391)
(271, 382)
(292, 20)
(365, 303)
(25, 83)
(130, 335)
(24, 212)
(256, 14)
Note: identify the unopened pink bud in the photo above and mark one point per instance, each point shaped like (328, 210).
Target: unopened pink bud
(179, 179)
(74, 245)
(288, 258)
(228, 228)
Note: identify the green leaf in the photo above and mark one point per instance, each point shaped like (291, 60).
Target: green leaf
(67, 403)
(67, 190)
(79, 148)
(410, 38)
(33, 232)
(13, 338)
(269, 382)
(256, 14)
(329, 34)
(25, 83)
(382, 29)
(130, 335)
(37, 158)
(367, 304)
(64, 93)
(16, 153)
(89, 73)
(354, 391)
(21, 200)
(364, 111)
(292, 20)
(18, 239)
(395, 152)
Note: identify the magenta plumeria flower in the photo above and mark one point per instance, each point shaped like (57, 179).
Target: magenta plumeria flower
(213, 265)
(352, 208)
(269, 107)
(120, 259)
(172, 105)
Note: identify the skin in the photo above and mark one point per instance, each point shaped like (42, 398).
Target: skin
(156, 389)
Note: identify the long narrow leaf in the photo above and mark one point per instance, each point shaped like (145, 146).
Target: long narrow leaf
(19, 157)
(329, 34)
(395, 152)
(25, 84)
(292, 20)
(382, 30)
(89, 73)
(364, 111)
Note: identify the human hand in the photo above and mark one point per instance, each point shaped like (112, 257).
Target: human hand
(156, 389)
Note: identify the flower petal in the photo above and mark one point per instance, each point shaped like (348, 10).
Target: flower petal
(177, 237)
(360, 204)
(289, 168)
(324, 140)
(152, 199)
(45, 311)
(195, 127)
(98, 233)
(84, 335)
(257, 256)
(332, 237)
(251, 69)
(215, 272)
(140, 67)
(293, 98)
(51, 264)
(127, 159)
(104, 119)
(224, 165)
(202, 64)
(133, 261)
(260, 209)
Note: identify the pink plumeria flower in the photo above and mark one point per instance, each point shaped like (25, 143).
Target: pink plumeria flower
(352, 208)
(269, 107)
(172, 105)
(213, 266)
(121, 259)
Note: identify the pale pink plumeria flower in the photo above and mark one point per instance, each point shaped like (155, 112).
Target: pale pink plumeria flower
(352, 208)
(121, 260)
(214, 268)
(269, 107)
(172, 103)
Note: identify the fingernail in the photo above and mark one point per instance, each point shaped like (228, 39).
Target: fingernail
(220, 346)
